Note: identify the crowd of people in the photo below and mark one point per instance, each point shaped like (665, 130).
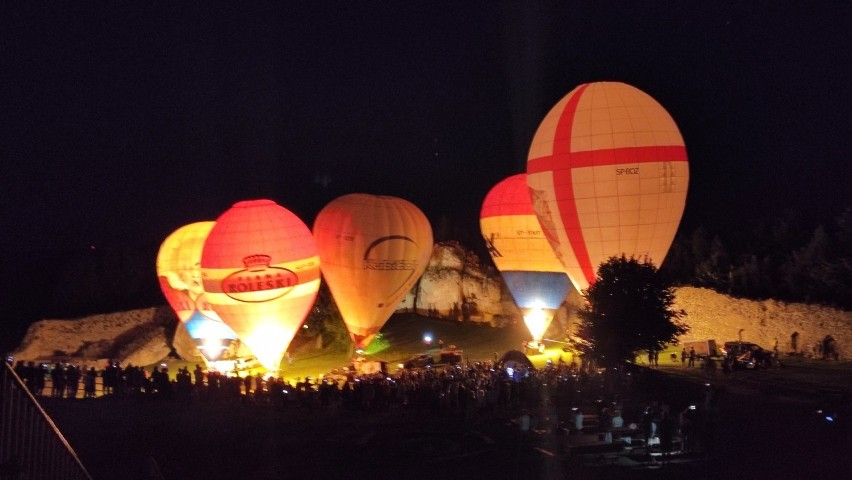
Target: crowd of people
(64, 380)
(556, 398)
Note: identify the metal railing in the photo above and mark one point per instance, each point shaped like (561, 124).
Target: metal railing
(31, 447)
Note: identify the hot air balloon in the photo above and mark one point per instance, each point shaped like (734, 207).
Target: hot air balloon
(373, 249)
(261, 274)
(608, 175)
(179, 271)
(521, 253)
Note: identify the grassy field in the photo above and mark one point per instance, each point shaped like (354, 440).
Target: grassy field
(402, 338)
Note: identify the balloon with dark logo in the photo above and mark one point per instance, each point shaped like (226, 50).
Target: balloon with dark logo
(373, 250)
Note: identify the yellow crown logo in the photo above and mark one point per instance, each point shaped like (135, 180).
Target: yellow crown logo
(257, 262)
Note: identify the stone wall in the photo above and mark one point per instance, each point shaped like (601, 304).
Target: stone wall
(712, 315)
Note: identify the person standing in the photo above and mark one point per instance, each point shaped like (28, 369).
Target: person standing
(691, 356)
(40, 373)
(683, 356)
(72, 380)
(89, 383)
(57, 377)
(247, 382)
(649, 427)
(668, 427)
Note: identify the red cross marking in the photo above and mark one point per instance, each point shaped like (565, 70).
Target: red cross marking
(562, 156)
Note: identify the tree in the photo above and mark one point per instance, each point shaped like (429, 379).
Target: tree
(714, 271)
(629, 308)
(839, 275)
(806, 271)
(325, 320)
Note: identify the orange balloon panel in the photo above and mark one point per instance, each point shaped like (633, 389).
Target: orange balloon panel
(261, 275)
(532, 272)
(179, 267)
(512, 230)
(373, 249)
(608, 175)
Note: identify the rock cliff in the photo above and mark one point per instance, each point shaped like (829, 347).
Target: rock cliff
(455, 287)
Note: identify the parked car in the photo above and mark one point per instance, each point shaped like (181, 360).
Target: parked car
(419, 361)
(749, 355)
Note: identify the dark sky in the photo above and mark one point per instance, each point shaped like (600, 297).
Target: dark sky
(122, 121)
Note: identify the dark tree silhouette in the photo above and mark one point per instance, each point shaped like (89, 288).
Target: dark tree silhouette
(629, 309)
(325, 319)
(793, 258)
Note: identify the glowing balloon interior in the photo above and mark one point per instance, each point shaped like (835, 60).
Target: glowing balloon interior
(373, 249)
(211, 336)
(608, 175)
(261, 274)
(537, 320)
(516, 242)
(179, 271)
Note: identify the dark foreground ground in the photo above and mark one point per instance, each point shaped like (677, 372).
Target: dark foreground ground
(760, 434)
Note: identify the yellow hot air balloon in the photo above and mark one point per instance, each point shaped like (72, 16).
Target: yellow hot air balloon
(532, 272)
(261, 274)
(373, 249)
(179, 267)
(608, 175)
(179, 271)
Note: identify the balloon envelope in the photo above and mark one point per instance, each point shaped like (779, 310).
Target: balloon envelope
(211, 335)
(373, 249)
(608, 175)
(179, 267)
(179, 272)
(261, 275)
(522, 254)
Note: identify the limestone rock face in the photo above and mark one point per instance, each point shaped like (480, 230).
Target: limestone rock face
(137, 336)
(185, 346)
(448, 256)
(144, 350)
(455, 287)
(440, 291)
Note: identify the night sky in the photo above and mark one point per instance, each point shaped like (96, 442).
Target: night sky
(122, 121)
